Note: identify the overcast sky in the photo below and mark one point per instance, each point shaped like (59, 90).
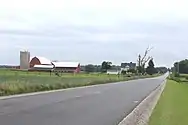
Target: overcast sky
(90, 31)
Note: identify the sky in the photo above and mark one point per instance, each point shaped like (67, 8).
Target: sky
(91, 31)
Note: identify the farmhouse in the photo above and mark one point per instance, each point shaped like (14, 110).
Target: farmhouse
(127, 66)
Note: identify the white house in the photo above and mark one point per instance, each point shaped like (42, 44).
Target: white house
(127, 66)
(114, 72)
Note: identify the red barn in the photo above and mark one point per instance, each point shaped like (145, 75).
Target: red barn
(39, 61)
(43, 64)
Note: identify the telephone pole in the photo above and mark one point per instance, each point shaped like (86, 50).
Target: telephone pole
(178, 68)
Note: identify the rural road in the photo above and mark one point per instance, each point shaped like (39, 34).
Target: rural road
(105, 104)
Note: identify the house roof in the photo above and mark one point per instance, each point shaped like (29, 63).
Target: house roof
(43, 60)
(128, 65)
(65, 64)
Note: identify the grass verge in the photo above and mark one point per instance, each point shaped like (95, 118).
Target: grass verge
(172, 108)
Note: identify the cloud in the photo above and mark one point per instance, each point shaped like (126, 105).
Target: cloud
(93, 31)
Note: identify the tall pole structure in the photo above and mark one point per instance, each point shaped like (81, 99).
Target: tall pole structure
(178, 68)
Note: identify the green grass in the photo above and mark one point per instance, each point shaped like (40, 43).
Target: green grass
(17, 82)
(181, 78)
(172, 108)
(183, 75)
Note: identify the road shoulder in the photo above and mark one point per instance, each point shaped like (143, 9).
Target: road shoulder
(140, 115)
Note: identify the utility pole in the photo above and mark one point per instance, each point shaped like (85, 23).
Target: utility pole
(178, 68)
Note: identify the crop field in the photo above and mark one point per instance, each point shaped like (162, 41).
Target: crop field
(17, 82)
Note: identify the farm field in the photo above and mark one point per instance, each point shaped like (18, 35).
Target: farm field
(17, 82)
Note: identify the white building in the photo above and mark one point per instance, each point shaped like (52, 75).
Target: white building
(114, 72)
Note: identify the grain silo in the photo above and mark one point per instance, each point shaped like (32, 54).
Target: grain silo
(24, 59)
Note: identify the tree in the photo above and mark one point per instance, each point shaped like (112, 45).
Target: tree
(169, 69)
(131, 70)
(181, 67)
(151, 68)
(106, 66)
(97, 68)
(89, 68)
(142, 60)
(123, 72)
(161, 69)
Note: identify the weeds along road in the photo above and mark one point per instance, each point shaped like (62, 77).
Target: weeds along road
(105, 104)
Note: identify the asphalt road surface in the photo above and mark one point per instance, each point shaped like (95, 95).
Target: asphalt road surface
(105, 104)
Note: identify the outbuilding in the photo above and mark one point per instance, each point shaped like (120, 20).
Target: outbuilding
(72, 67)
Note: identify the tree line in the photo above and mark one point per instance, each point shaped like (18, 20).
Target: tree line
(106, 65)
(140, 69)
(181, 66)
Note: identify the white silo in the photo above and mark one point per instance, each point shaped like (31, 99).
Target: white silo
(24, 59)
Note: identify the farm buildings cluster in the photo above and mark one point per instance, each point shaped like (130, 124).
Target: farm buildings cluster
(37, 63)
(43, 64)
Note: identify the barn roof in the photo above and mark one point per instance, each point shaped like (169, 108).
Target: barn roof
(43, 60)
(66, 64)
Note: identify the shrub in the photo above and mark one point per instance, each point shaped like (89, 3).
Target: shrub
(175, 79)
(176, 74)
(123, 72)
(132, 71)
